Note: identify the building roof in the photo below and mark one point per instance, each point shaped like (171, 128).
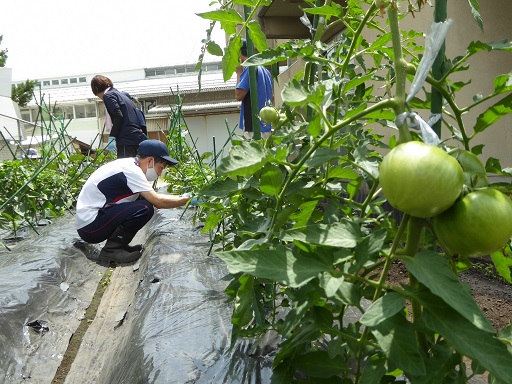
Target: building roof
(147, 87)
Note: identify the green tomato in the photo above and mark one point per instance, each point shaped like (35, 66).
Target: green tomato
(269, 115)
(477, 224)
(382, 3)
(419, 179)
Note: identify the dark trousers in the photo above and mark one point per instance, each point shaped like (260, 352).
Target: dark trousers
(124, 151)
(132, 216)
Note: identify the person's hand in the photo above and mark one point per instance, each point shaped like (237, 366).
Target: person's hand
(194, 201)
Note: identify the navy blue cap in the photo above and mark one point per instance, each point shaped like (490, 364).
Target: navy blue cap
(156, 148)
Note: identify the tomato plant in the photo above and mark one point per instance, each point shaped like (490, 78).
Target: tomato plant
(477, 224)
(419, 179)
(303, 226)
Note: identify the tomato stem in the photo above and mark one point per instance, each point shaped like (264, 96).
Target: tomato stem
(401, 72)
(414, 231)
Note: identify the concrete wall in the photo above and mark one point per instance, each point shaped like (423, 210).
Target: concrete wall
(484, 66)
(211, 132)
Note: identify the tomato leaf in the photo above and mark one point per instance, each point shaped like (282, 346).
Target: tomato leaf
(383, 308)
(221, 188)
(398, 340)
(257, 36)
(230, 59)
(484, 347)
(373, 371)
(271, 179)
(319, 364)
(339, 289)
(342, 234)
(475, 8)
(433, 271)
(503, 84)
(280, 265)
(502, 264)
(244, 159)
(494, 113)
(242, 313)
(341, 172)
(304, 212)
(477, 46)
(224, 15)
(321, 156)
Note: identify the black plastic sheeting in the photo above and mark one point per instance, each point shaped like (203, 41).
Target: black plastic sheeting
(45, 286)
(177, 330)
(180, 321)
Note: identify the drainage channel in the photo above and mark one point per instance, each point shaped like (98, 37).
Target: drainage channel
(77, 337)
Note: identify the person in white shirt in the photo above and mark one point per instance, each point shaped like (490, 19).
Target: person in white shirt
(118, 200)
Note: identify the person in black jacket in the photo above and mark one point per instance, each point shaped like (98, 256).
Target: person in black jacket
(121, 117)
(140, 114)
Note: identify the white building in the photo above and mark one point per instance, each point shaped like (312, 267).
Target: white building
(207, 108)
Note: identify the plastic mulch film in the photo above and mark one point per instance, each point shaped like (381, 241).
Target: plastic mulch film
(178, 329)
(45, 286)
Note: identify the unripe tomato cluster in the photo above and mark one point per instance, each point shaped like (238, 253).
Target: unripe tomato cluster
(424, 181)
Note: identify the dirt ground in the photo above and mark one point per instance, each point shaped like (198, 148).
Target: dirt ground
(493, 294)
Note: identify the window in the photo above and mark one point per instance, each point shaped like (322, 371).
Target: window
(180, 70)
(64, 81)
(84, 110)
(82, 79)
(55, 82)
(90, 110)
(148, 104)
(80, 111)
(74, 80)
(57, 112)
(25, 114)
(46, 83)
(34, 114)
(67, 112)
(212, 67)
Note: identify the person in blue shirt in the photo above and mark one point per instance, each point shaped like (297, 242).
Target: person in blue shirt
(121, 117)
(265, 85)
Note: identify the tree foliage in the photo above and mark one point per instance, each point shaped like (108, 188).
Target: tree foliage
(3, 54)
(23, 93)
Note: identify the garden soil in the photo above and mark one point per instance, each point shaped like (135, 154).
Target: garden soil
(492, 293)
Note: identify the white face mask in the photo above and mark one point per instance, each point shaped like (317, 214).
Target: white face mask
(151, 174)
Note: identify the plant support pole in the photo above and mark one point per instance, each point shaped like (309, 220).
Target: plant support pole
(253, 84)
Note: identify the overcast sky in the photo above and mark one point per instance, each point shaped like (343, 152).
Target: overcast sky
(63, 37)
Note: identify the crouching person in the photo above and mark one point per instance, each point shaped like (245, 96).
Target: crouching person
(118, 200)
